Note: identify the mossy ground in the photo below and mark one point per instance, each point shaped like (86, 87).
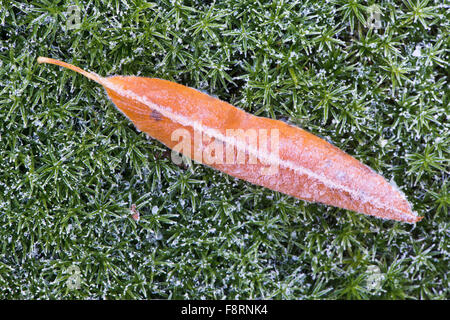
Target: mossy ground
(71, 165)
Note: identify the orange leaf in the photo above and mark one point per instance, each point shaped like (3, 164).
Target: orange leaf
(262, 151)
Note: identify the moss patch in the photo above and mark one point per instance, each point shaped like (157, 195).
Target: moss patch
(71, 165)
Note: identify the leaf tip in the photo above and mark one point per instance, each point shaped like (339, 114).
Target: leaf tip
(42, 60)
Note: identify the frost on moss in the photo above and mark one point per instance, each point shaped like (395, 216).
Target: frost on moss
(71, 166)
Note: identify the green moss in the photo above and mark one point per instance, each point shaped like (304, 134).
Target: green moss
(71, 165)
